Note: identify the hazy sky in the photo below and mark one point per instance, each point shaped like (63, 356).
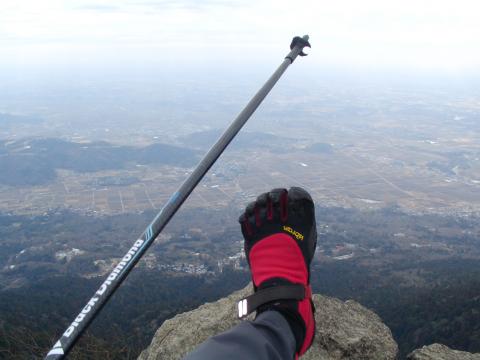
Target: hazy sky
(420, 33)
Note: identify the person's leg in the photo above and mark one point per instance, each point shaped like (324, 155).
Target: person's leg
(269, 337)
(280, 235)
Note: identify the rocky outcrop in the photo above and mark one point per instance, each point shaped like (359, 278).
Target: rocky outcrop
(345, 330)
(441, 352)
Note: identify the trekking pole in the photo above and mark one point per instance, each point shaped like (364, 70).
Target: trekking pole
(120, 272)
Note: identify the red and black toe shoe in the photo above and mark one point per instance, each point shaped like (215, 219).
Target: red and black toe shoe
(280, 240)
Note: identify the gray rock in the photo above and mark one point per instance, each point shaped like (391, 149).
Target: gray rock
(441, 352)
(345, 330)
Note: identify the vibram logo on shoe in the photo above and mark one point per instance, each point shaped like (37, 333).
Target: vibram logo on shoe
(289, 230)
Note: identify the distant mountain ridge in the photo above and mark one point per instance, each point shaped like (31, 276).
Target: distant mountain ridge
(245, 139)
(34, 161)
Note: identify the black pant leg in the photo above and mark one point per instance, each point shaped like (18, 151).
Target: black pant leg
(269, 337)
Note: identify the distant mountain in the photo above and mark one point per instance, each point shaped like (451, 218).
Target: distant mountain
(34, 161)
(245, 139)
(24, 170)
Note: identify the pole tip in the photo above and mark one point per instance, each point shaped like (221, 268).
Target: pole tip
(301, 42)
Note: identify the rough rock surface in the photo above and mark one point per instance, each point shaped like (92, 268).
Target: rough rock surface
(345, 330)
(441, 352)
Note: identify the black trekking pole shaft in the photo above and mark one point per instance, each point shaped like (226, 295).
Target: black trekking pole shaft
(120, 272)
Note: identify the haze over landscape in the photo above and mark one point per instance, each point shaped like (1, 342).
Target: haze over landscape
(106, 107)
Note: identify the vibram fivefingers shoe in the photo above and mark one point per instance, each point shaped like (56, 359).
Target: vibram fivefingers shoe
(280, 240)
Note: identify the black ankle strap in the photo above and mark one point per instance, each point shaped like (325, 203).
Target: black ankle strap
(263, 296)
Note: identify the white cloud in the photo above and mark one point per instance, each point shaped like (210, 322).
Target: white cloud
(370, 32)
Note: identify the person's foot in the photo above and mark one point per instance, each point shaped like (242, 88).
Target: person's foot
(280, 240)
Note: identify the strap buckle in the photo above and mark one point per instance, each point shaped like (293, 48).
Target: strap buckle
(263, 296)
